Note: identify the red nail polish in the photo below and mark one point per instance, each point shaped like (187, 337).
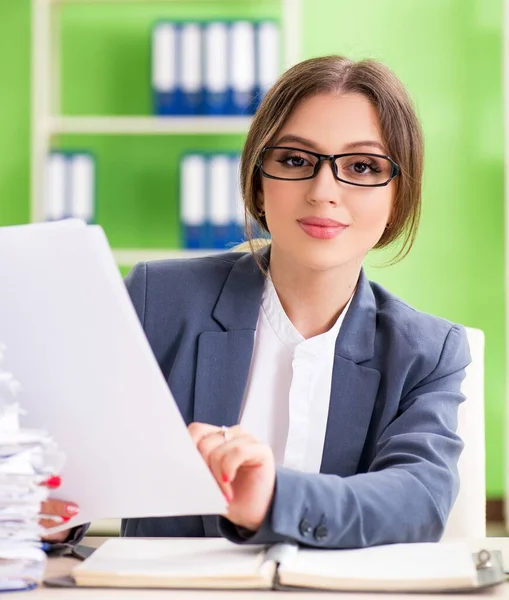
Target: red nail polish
(72, 509)
(66, 519)
(54, 482)
(225, 478)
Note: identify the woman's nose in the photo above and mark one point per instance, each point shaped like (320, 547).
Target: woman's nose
(325, 188)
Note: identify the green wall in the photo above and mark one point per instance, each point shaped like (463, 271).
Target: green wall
(14, 111)
(448, 53)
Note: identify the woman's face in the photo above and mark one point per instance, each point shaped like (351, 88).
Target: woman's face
(323, 223)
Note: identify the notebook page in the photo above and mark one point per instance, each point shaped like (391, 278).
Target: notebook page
(394, 567)
(175, 563)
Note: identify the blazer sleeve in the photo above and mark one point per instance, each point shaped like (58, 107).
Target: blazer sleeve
(409, 489)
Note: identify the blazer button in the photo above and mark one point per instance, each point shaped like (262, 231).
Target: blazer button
(321, 532)
(305, 527)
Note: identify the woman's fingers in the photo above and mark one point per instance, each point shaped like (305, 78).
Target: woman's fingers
(56, 512)
(206, 446)
(59, 509)
(201, 430)
(240, 452)
(208, 438)
(243, 467)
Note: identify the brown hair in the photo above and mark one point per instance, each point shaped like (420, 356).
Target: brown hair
(400, 128)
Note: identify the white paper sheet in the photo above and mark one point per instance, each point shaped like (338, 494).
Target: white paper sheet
(90, 379)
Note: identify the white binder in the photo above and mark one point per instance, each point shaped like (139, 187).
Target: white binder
(54, 199)
(193, 201)
(190, 68)
(267, 56)
(219, 200)
(81, 186)
(243, 72)
(216, 68)
(164, 76)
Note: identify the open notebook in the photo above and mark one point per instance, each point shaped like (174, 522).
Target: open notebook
(218, 564)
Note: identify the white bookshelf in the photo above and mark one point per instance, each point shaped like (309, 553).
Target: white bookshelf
(47, 120)
(147, 125)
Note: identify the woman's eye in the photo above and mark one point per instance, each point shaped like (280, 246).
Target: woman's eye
(365, 168)
(296, 161)
(361, 168)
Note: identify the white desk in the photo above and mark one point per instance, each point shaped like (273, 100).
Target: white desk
(62, 566)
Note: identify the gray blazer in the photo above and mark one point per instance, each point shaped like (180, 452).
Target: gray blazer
(389, 466)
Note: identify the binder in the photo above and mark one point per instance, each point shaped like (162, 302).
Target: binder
(55, 192)
(164, 69)
(190, 79)
(267, 63)
(81, 188)
(216, 88)
(193, 201)
(219, 193)
(243, 68)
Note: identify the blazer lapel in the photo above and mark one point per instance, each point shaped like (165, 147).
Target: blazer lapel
(222, 370)
(354, 386)
(224, 357)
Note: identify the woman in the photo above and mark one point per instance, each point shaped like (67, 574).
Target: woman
(325, 407)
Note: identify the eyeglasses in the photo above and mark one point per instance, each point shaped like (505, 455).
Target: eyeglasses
(294, 164)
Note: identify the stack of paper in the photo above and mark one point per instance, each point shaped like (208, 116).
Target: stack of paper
(27, 459)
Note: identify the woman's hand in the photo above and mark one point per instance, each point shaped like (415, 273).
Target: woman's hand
(244, 469)
(56, 512)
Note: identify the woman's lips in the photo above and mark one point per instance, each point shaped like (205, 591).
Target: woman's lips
(322, 229)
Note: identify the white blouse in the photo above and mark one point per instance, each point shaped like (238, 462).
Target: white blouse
(286, 402)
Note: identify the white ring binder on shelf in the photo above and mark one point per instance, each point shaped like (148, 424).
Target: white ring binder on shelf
(216, 88)
(243, 67)
(164, 68)
(219, 200)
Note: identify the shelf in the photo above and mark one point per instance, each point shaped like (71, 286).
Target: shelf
(125, 1)
(46, 83)
(148, 125)
(128, 257)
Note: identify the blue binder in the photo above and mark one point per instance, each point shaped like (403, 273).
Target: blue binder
(190, 76)
(267, 57)
(218, 206)
(215, 60)
(193, 183)
(81, 186)
(69, 186)
(164, 69)
(55, 187)
(242, 68)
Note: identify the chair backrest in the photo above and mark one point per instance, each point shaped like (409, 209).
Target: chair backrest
(468, 515)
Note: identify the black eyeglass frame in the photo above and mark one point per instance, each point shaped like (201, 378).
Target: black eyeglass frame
(395, 171)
